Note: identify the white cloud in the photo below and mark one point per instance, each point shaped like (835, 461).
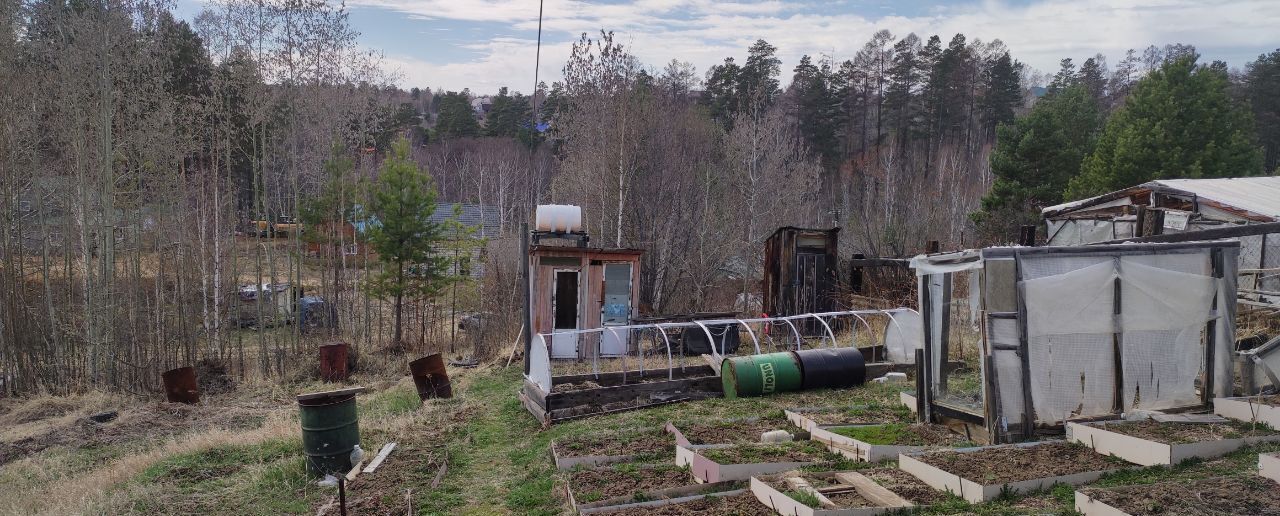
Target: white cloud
(704, 32)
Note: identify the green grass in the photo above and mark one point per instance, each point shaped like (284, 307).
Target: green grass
(398, 400)
(891, 434)
(268, 478)
(804, 497)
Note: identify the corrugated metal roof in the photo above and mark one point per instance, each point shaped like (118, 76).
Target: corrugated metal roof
(486, 219)
(1259, 195)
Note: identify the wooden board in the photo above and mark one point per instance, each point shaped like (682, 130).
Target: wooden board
(327, 394)
(1248, 410)
(1269, 466)
(1151, 453)
(787, 506)
(1090, 507)
(975, 492)
(709, 471)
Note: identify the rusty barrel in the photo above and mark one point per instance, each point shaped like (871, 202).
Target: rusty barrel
(180, 385)
(333, 362)
(430, 377)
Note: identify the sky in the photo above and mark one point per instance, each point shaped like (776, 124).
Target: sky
(486, 44)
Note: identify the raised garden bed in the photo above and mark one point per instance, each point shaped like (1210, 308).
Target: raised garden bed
(583, 395)
(982, 474)
(1251, 496)
(595, 450)
(843, 493)
(874, 443)
(719, 463)
(738, 502)
(1151, 443)
(740, 431)
(809, 418)
(905, 485)
(622, 483)
(1263, 409)
(1269, 466)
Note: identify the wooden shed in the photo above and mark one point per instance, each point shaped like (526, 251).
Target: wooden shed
(801, 272)
(574, 288)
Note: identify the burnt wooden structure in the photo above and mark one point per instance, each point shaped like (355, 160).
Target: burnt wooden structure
(801, 273)
(576, 288)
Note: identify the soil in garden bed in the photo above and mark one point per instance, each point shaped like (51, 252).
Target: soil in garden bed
(1246, 495)
(797, 451)
(590, 485)
(902, 434)
(744, 504)
(731, 432)
(1019, 463)
(655, 444)
(1183, 433)
(905, 485)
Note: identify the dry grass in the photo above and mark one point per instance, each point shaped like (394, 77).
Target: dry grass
(87, 493)
(36, 415)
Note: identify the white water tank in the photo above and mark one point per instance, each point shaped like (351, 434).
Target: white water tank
(558, 218)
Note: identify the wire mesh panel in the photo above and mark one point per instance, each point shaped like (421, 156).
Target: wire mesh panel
(1270, 279)
(1002, 333)
(1072, 375)
(1161, 367)
(1250, 258)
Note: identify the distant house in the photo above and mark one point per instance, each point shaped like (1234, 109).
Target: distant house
(349, 238)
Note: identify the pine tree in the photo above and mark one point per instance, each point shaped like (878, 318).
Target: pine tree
(758, 79)
(815, 108)
(1003, 91)
(1093, 75)
(721, 95)
(1065, 78)
(1036, 156)
(1180, 122)
(456, 118)
(406, 240)
(1262, 87)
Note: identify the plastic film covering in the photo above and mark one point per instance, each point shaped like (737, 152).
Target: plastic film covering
(903, 335)
(1003, 333)
(1077, 301)
(1165, 308)
(1009, 374)
(1160, 368)
(939, 298)
(1070, 324)
(1080, 231)
(1071, 375)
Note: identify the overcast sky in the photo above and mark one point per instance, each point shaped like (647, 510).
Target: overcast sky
(486, 44)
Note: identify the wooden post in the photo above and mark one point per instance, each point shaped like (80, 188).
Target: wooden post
(1139, 226)
(922, 405)
(855, 277)
(528, 284)
(1027, 235)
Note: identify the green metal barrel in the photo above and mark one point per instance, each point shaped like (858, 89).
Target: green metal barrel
(758, 375)
(330, 430)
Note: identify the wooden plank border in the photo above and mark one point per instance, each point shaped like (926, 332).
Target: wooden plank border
(974, 492)
(1146, 452)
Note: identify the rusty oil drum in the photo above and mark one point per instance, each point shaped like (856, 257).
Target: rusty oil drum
(430, 377)
(333, 362)
(180, 385)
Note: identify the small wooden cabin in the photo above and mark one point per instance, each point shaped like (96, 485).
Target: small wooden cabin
(575, 288)
(801, 272)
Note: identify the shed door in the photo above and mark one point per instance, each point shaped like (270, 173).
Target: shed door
(616, 309)
(564, 307)
(809, 289)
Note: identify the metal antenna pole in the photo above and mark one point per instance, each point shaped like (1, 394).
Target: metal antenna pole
(537, 58)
